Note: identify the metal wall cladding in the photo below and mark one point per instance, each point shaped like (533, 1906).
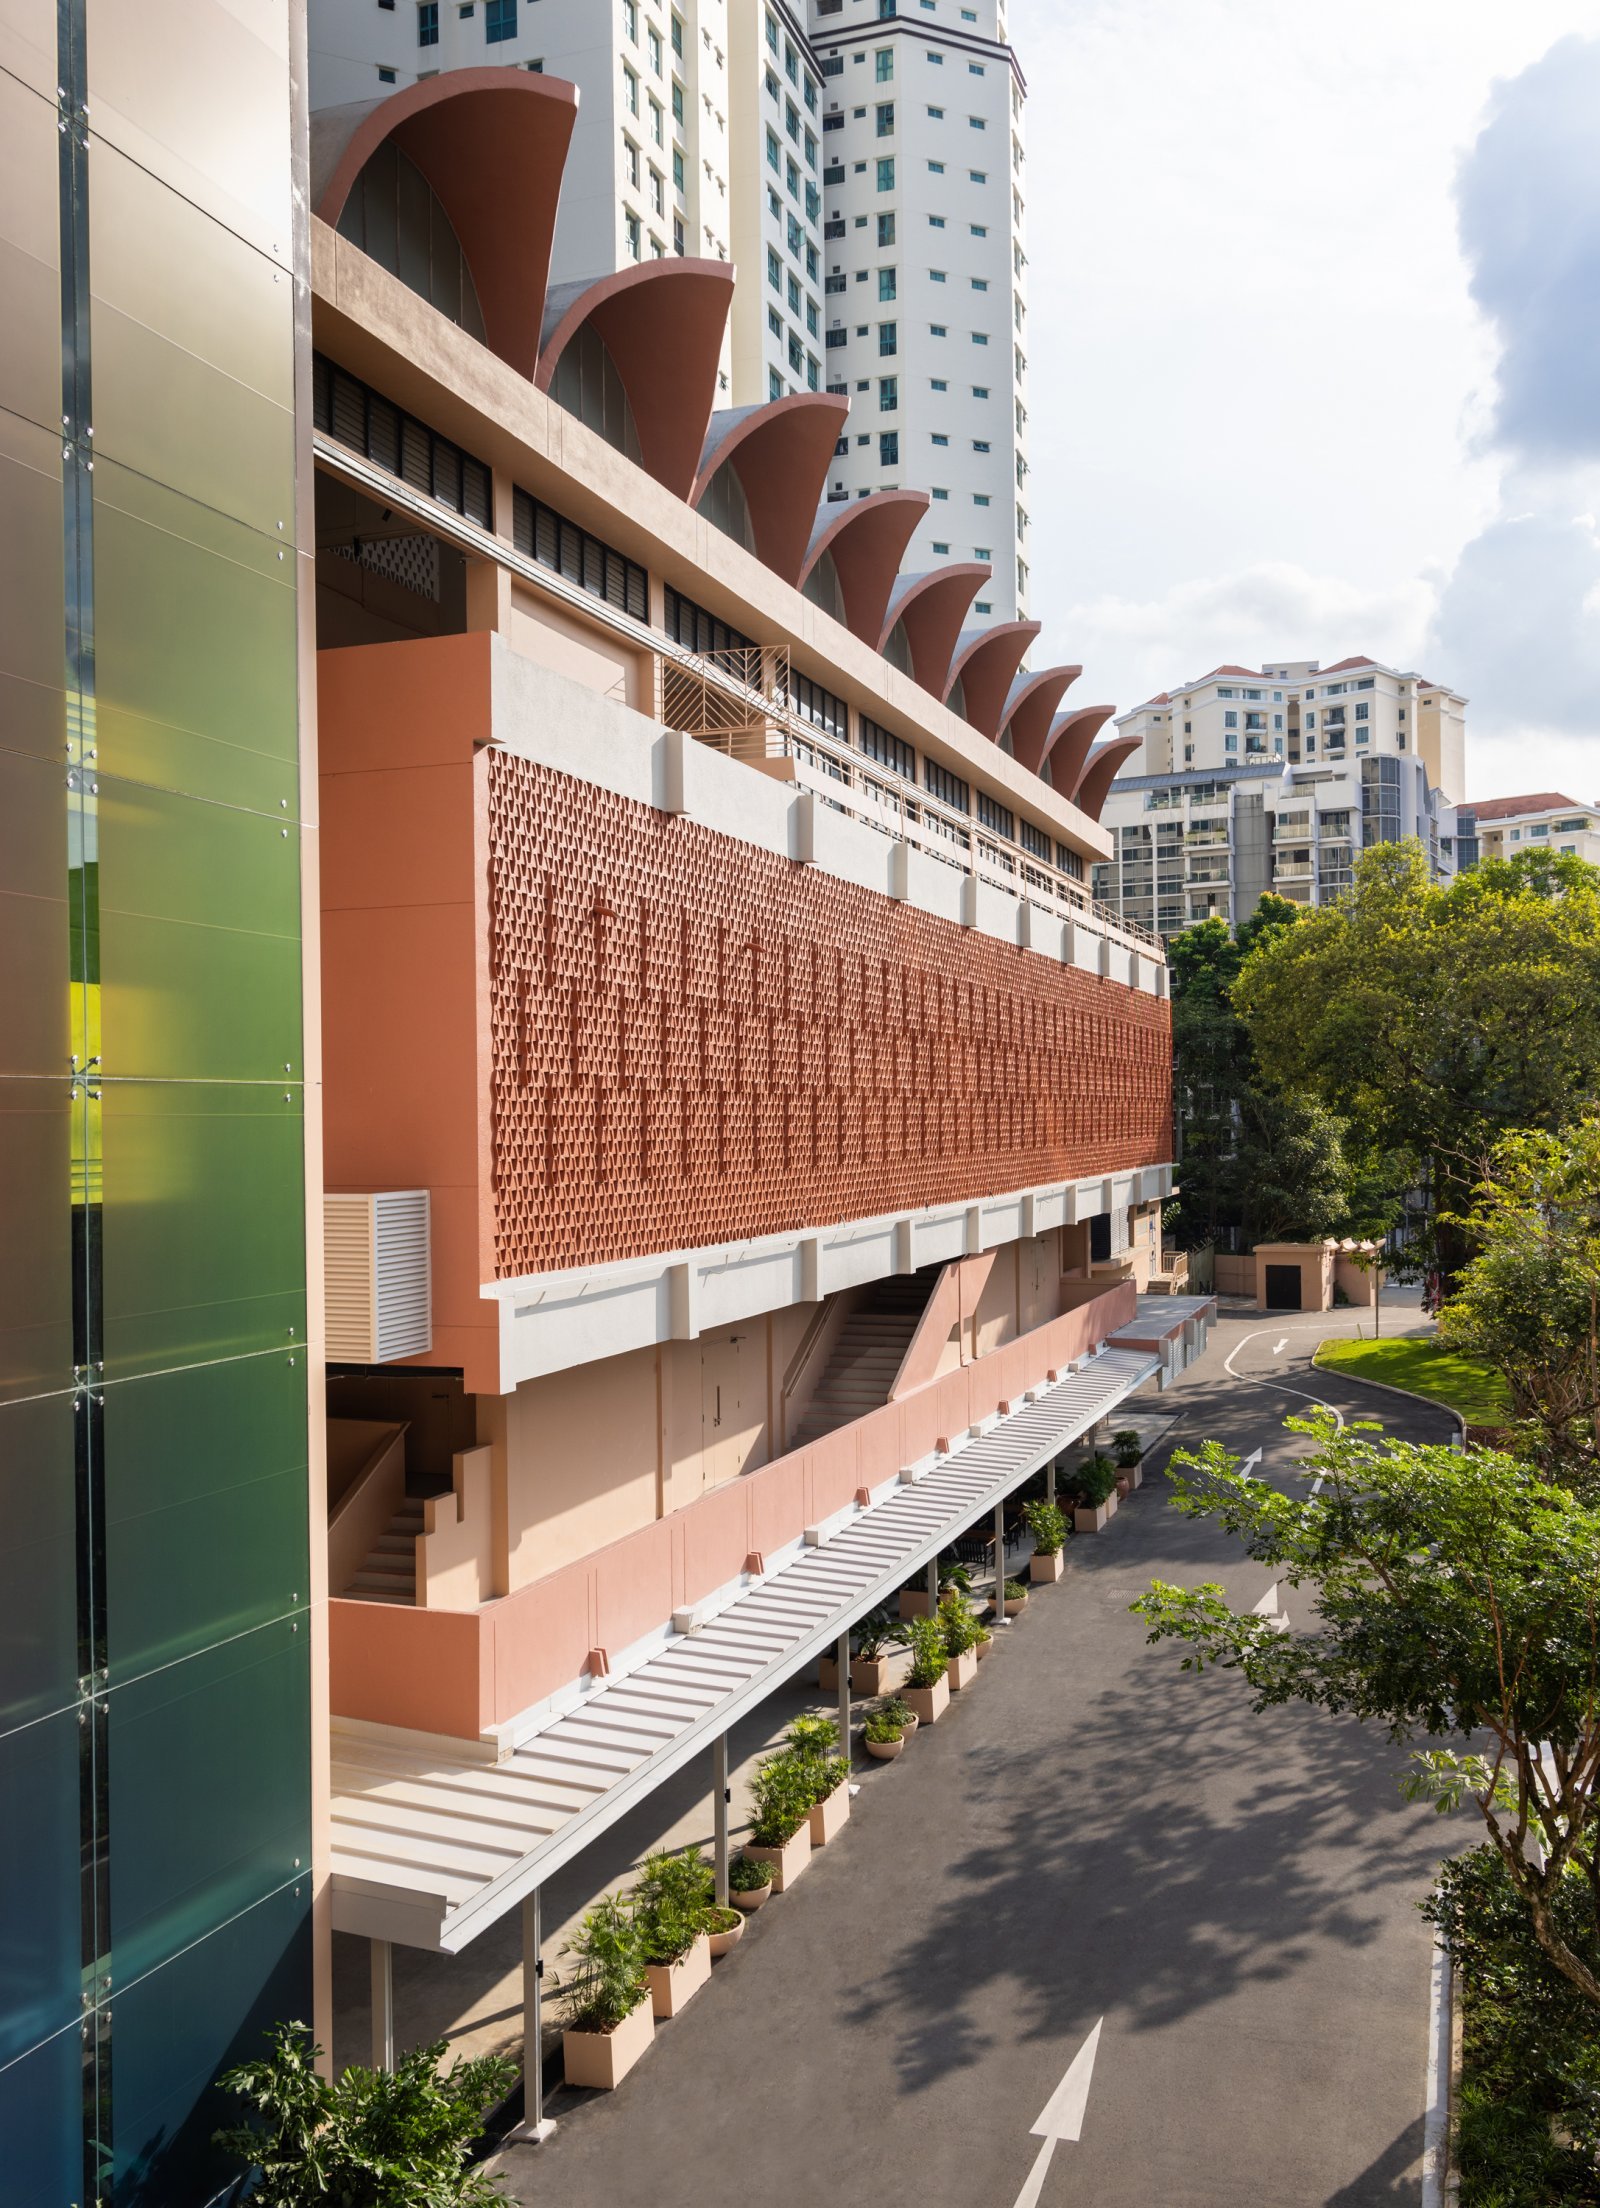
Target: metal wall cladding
(695, 1040)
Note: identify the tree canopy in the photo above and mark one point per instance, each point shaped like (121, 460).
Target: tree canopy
(1436, 1018)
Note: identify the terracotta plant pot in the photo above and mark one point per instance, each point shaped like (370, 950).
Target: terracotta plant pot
(750, 1902)
(828, 1816)
(828, 1674)
(885, 1751)
(601, 2060)
(962, 1669)
(869, 1676)
(1044, 1570)
(1086, 1520)
(1015, 1605)
(724, 1943)
(914, 1605)
(787, 1862)
(928, 1704)
(673, 1985)
(1124, 1485)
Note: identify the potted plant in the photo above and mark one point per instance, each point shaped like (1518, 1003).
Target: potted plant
(609, 2019)
(927, 1690)
(814, 1742)
(876, 1636)
(958, 1624)
(1016, 1598)
(1129, 1450)
(724, 1929)
(914, 1601)
(1097, 1486)
(985, 1641)
(1049, 1529)
(885, 1735)
(897, 1707)
(749, 1883)
(670, 1902)
(780, 1826)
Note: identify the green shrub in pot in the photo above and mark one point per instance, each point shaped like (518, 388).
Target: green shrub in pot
(958, 1625)
(929, 1660)
(877, 1634)
(606, 1982)
(748, 1877)
(1048, 1525)
(883, 1726)
(1128, 1447)
(1096, 1480)
(780, 1798)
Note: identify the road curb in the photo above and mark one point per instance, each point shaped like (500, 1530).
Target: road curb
(1406, 1395)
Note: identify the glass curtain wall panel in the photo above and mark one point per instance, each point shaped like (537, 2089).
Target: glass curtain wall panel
(155, 1700)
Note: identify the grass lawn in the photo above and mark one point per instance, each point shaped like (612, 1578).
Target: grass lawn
(1425, 1369)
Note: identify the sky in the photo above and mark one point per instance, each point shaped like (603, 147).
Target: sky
(1314, 351)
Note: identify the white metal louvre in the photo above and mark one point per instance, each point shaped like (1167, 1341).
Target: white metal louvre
(377, 1275)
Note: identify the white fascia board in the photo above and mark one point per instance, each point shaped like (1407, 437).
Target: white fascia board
(551, 1321)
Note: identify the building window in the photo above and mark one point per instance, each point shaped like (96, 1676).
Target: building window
(820, 707)
(886, 230)
(948, 788)
(883, 65)
(888, 448)
(886, 174)
(695, 629)
(655, 49)
(402, 446)
(886, 283)
(998, 818)
(888, 394)
(885, 121)
(630, 19)
(499, 21)
(386, 76)
(428, 23)
(888, 339)
(889, 751)
(633, 237)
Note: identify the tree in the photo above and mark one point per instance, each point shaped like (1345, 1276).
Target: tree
(1528, 1303)
(1437, 1018)
(374, 2139)
(1457, 1600)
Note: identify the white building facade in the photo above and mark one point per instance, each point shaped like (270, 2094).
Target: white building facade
(1542, 820)
(1271, 779)
(926, 273)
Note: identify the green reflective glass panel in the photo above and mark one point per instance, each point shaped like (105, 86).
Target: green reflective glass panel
(199, 938)
(205, 1506)
(32, 622)
(40, 1964)
(34, 1025)
(30, 284)
(175, 2030)
(36, 1120)
(40, 2103)
(194, 647)
(193, 351)
(210, 1790)
(38, 1561)
(204, 1231)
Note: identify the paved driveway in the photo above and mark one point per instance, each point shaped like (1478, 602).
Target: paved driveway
(1089, 1834)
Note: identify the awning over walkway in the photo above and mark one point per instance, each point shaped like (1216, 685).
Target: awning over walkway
(431, 1844)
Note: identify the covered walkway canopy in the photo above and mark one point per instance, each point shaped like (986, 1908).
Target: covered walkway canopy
(433, 1841)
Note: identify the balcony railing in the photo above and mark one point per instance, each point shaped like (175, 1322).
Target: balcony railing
(737, 701)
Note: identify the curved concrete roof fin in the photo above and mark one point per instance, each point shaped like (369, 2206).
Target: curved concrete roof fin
(487, 140)
(867, 538)
(1066, 747)
(662, 324)
(1094, 783)
(933, 606)
(985, 662)
(1028, 711)
(781, 451)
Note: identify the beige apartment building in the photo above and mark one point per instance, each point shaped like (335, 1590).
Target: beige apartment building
(1542, 821)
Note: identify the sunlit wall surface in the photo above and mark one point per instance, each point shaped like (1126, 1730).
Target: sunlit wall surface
(154, 1701)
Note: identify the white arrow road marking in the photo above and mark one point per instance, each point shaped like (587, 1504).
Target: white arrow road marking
(1247, 1469)
(1062, 2117)
(1253, 1380)
(1280, 1345)
(1271, 1608)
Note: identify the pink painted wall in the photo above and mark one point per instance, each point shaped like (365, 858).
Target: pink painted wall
(462, 1672)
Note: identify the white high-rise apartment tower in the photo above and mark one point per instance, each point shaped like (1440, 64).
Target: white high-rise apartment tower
(699, 132)
(926, 276)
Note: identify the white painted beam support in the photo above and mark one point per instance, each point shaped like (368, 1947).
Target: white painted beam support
(382, 2005)
(536, 2127)
(719, 1816)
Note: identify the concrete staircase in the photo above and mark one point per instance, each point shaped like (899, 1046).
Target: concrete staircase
(389, 1573)
(867, 1356)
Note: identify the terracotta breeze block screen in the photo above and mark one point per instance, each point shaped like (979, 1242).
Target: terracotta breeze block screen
(696, 1041)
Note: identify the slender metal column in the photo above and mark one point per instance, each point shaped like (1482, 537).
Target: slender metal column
(1050, 1481)
(719, 1814)
(382, 2005)
(535, 2126)
(1000, 1617)
(933, 1583)
(843, 1661)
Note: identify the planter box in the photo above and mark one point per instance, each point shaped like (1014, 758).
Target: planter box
(601, 2060)
(1092, 1521)
(828, 1674)
(673, 1985)
(1015, 1605)
(723, 1943)
(984, 1648)
(752, 1901)
(929, 1703)
(1044, 1571)
(828, 1817)
(913, 1605)
(885, 1751)
(787, 1862)
(963, 1669)
(870, 1676)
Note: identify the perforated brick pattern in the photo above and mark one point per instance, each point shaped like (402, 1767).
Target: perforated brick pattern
(695, 1041)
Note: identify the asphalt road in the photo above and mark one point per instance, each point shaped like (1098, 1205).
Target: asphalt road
(1089, 1834)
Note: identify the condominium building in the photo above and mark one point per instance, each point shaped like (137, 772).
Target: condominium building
(1543, 820)
(1273, 778)
(731, 1138)
(926, 287)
